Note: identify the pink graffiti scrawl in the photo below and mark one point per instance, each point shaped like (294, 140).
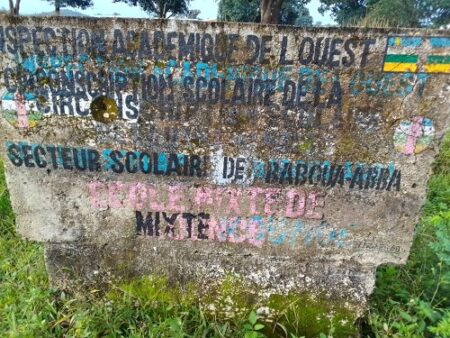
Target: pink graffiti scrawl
(22, 118)
(414, 132)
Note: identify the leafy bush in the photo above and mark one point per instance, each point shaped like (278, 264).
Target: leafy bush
(413, 300)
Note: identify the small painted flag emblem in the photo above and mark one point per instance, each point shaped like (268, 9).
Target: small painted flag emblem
(20, 110)
(438, 64)
(406, 55)
(414, 135)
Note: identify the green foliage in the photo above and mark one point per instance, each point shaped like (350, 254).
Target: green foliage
(397, 13)
(83, 4)
(402, 13)
(344, 11)
(27, 305)
(238, 10)
(434, 13)
(6, 214)
(161, 9)
(252, 329)
(442, 329)
(293, 12)
(414, 300)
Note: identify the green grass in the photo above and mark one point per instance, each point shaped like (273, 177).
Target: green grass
(414, 300)
(409, 301)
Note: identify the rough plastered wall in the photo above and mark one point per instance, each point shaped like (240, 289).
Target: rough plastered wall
(294, 158)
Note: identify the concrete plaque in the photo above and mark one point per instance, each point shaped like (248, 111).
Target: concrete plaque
(295, 158)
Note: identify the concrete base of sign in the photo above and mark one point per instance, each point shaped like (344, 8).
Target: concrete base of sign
(74, 266)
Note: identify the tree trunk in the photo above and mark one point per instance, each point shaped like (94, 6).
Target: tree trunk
(11, 8)
(270, 11)
(14, 8)
(163, 11)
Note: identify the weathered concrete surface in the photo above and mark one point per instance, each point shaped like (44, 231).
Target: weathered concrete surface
(296, 158)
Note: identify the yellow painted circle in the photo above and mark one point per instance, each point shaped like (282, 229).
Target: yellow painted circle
(104, 109)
